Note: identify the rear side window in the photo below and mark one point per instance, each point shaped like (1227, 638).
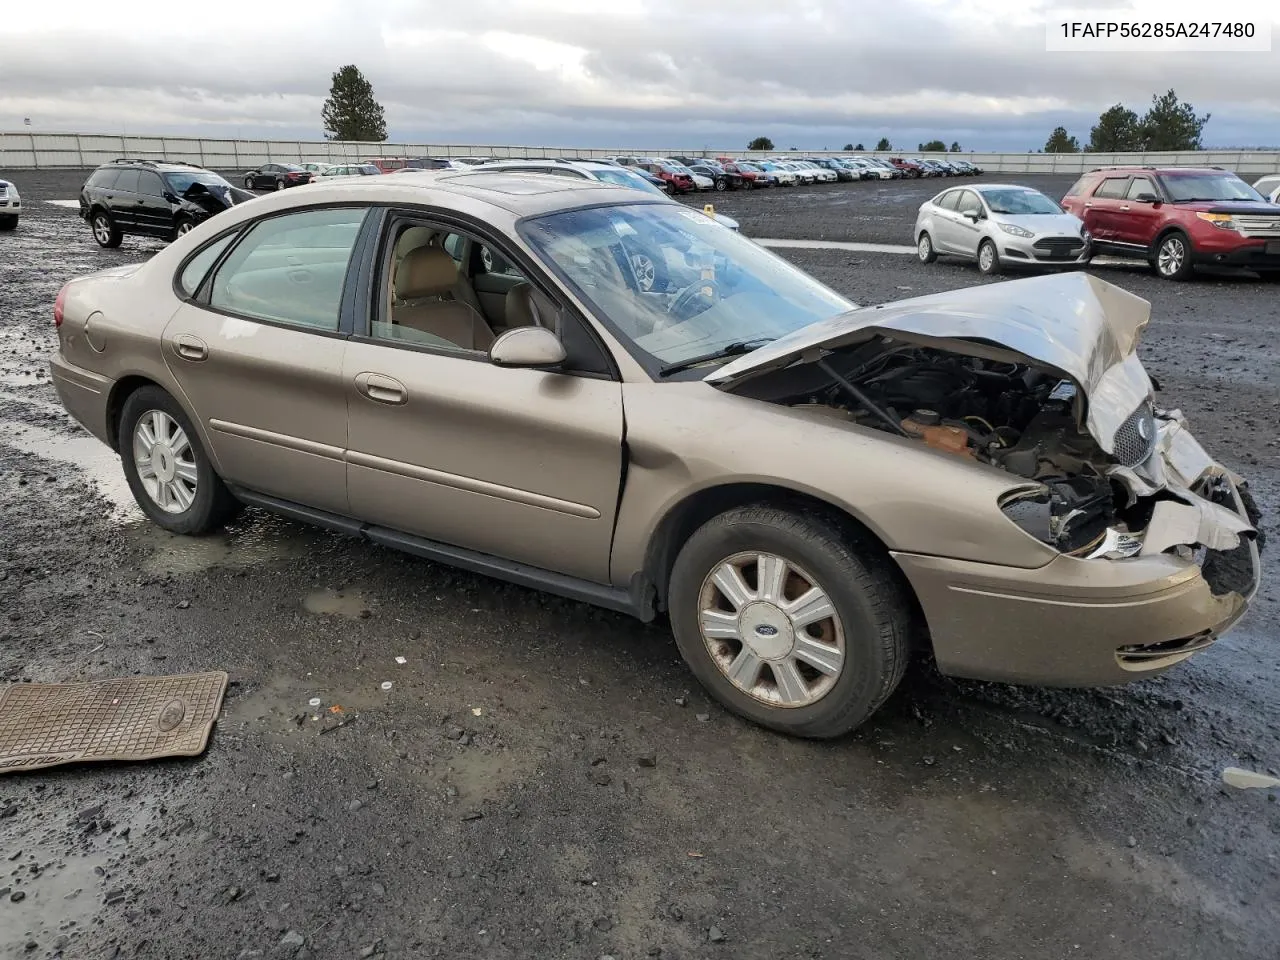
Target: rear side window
(128, 181)
(1112, 187)
(105, 178)
(290, 269)
(193, 273)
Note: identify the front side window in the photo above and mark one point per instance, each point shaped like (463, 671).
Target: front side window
(715, 287)
(149, 184)
(969, 203)
(290, 269)
(1138, 186)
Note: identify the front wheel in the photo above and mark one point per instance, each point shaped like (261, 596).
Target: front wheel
(168, 470)
(1172, 260)
(8, 223)
(789, 621)
(924, 249)
(280, 184)
(1266, 276)
(988, 258)
(722, 185)
(185, 226)
(105, 230)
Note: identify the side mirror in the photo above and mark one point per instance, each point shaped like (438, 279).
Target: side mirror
(534, 347)
(974, 215)
(1147, 198)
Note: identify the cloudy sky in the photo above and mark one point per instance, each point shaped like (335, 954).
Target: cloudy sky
(624, 73)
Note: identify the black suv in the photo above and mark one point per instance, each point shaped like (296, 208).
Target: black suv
(152, 199)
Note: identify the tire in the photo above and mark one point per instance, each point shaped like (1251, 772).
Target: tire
(280, 184)
(1266, 276)
(924, 248)
(669, 187)
(185, 226)
(866, 634)
(105, 229)
(988, 259)
(8, 223)
(721, 185)
(1172, 257)
(210, 505)
(248, 183)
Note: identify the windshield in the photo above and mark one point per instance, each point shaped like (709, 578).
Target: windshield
(1208, 186)
(768, 166)
(675, 282)
(368, 169)
(180, 183)
(750, 167)
(1019, 202)
(626, 179)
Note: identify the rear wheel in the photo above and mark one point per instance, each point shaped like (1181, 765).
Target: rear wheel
(105, 230)
(168, 470)
(1267, 276)
(988, 258)
(789, 621)
(248, 183)
(924, 248)
(1172, 259)
(280, 184)
(8, 223)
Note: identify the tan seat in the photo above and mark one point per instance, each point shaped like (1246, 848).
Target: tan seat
(525, 307)
(425, 300)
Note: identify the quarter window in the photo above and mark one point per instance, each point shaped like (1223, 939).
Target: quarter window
(290, 269)
(199, 265)
(105, 178)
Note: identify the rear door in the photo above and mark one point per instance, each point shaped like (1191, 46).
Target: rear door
(122, 200)
(1137, 221)
(1102, 209)
(258, 351)
(154, 213)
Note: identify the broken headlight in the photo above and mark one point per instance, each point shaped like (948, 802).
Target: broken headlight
(1070, 514)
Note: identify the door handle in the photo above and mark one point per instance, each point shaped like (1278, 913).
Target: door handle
(1088, 204)
(1124, 206)
(189, 347)
(381, 389)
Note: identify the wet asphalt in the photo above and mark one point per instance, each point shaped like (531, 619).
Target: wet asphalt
(543, 779)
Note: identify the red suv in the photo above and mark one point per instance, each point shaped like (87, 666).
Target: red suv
(1177, 217)
(909, 168)
(675, 180)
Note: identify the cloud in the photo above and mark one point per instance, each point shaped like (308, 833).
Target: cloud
(586, 72)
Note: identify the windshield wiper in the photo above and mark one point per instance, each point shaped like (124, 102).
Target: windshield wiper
(735, 349)
(1215, 200)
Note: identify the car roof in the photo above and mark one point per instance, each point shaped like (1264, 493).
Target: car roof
(159, 166)
(521, 194)
(984, 187)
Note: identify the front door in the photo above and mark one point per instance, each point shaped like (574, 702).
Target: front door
(153, 211)
(968, 223)
(515, 463)
(259, 354)
(1138, 220)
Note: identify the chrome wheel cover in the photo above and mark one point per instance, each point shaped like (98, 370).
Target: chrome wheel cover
(1171, 256)
(924, 248)
(771, 629)
(986, 256)
(165, 461)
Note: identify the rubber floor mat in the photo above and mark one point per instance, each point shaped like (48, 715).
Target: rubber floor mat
(135, 718)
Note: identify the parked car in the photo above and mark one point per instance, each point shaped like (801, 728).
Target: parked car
(753, 177)
(1178, 217)
(804, 175)
(909, 167)
(721, 453)
(780, 175)
(149, 198)
(1269, 187)
(315, 169)
(674, 179)
(894, 173)
(394, 164)
(1000, 225)
(721, 178)
(352, 170)
(10, 205)
(864, 169)
(276, 176)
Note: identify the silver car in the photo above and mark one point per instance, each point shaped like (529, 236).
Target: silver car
(999, 225)
(10, 205)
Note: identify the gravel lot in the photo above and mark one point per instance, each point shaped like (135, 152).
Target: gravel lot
(543, 779)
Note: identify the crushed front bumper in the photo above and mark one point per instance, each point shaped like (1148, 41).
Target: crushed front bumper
(1081, 622)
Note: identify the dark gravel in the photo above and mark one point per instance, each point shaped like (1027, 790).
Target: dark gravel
(543, 779)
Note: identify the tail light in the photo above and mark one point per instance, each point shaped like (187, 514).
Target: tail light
(57, 307)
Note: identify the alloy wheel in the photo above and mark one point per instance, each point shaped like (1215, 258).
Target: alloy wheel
(102, 229)
(924, 249)
(165, 461)
(1173, 252)
(185, 227)
(771, 629)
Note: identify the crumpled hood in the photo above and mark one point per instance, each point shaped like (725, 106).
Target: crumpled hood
(1074, 323)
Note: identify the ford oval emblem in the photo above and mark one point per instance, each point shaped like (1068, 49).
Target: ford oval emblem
(767, 630)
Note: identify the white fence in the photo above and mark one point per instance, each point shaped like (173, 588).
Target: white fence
(41, 151)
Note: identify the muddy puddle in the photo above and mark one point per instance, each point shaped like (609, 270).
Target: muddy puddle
(90, 455)
(341, 603)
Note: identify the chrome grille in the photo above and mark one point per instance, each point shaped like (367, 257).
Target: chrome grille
(1136, 437)
(1257, 225)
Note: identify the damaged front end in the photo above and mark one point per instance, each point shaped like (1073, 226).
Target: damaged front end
(1038, 378)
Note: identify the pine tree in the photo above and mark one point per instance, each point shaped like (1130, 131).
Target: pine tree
(351, 112)
(760, 143)
(883, 145)
(1118, 130)
(1172, 125)
(1061, 142)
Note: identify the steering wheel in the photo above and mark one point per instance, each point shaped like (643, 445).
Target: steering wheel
(707, 290)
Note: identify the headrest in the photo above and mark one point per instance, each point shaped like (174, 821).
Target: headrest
(425, 272)
(520, 309)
